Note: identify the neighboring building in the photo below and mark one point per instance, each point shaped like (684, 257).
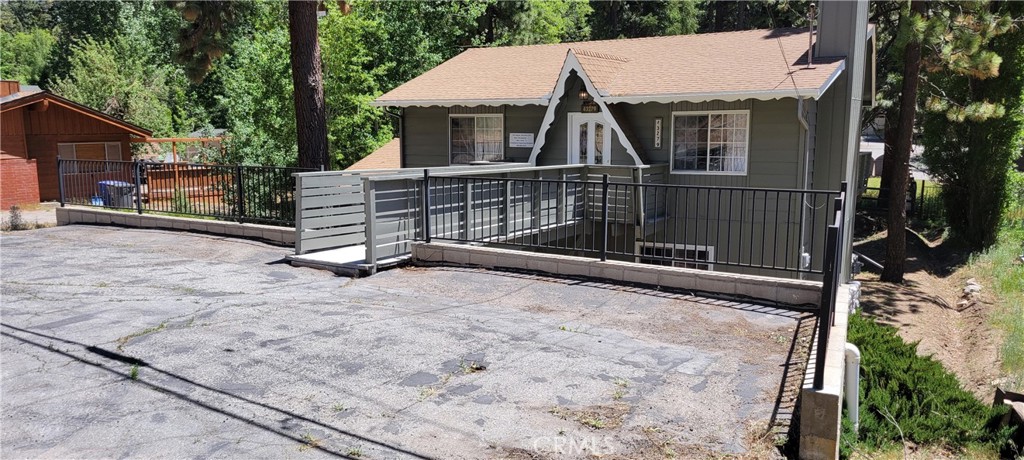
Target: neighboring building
(36, 126)
(734, 109)
(388, 156)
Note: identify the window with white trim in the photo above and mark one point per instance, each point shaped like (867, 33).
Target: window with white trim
(710, 142)
(476, 138)
(96, 151)
(678, 255)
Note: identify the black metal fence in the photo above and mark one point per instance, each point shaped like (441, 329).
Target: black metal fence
(750, 229)
(256, 194)
(830, 284)
(924, 201)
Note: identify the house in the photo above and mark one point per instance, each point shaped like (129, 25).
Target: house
(657, 161)
(758, 110)
(36, 126)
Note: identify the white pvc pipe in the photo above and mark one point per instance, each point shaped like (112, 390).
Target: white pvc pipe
(807, 179)
(852, 387)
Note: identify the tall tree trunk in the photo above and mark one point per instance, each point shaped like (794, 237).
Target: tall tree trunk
(308, 79)
(896, 238)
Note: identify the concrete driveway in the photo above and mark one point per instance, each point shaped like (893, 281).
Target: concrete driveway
(135, 343)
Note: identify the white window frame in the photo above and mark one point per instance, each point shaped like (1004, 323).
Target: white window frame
(709, 250)
(73, 168)
(499, 116)
(709, 113)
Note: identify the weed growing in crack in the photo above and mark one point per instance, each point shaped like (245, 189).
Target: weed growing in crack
(309, 442)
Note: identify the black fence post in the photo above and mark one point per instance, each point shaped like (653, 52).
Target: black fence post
(138, 185)
(912, 192)
(239, 191)
(604, 217)
(426, 205)
(922, 211)
(828, 287)
(60, 179)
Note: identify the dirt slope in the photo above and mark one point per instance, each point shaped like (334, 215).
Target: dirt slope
(925, 309)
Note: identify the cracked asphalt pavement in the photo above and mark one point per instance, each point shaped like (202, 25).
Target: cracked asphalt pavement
(140, 343)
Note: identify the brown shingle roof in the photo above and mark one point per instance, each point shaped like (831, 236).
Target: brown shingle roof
(388, 156)
(729, 63)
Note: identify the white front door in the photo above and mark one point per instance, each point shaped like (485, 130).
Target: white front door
(590, 140)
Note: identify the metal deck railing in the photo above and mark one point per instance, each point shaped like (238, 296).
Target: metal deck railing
(256, 194)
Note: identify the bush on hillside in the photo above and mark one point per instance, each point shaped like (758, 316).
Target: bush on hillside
(903, 392)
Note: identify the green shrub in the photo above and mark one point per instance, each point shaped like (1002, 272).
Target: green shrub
(16, 222)
(903, 392)
(1013, 216)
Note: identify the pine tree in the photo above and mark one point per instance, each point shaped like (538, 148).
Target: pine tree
(973, 130)
(937, 37)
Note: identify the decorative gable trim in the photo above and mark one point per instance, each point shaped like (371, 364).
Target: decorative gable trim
(572, 63)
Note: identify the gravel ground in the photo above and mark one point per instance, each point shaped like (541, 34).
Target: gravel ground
(136, 343)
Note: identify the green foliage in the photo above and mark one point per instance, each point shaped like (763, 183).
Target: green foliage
(974, 128)
(350, 84)
(106, 77)
(79, 21)
(407, 48)
(721, 16)
(545, 21)
(999, 269)
(908, 397)
(1013, 211)
(23, 55)
(26, 15)
(633, 19)
(207, 35)
(257, 99)
(532, 22)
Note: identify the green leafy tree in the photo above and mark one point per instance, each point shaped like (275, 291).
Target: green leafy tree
(553, 22)
(939, 37)
(106, 77)
(257, 99)
(23, 55)
(974, 127)
(75, 22)
(632, 19)
(726, 15)
(25, 15)
(351, 75)
(206, 39)
(532, 22)
(417, 36)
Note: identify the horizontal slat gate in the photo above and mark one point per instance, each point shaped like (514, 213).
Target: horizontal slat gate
(330, 212)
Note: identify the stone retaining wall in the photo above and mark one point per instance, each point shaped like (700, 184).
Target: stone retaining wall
(284, 236)
(785, 291)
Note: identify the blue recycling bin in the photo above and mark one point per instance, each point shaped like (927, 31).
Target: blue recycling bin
(116, 194)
